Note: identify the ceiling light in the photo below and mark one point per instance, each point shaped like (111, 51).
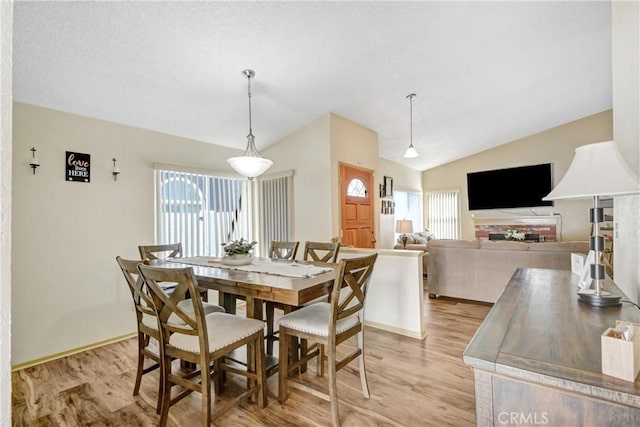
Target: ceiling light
(250, 164)
(411, 151)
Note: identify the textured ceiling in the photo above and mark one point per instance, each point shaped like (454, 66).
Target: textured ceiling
(485, 73)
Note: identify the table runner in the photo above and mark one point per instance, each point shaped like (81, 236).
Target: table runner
(289, 269)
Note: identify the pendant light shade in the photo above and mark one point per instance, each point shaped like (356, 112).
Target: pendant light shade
(250, 164)
(411, 151)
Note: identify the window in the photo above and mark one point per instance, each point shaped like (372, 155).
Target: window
(356, 188)
(276, 209)
(408, 205)
(443, 214)
(201, 210)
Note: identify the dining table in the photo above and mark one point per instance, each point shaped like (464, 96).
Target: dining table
(292, 283)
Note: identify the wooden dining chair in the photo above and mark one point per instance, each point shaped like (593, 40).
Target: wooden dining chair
(150, 253)
(204, 340)
(321, 251)
(325, 325)
(277, 250)
(147, 322)
(283, 250)
(156, 252)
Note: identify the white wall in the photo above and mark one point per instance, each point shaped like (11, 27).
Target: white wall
(404, 179)
(67, 289)
(626, 131)
(6, 93)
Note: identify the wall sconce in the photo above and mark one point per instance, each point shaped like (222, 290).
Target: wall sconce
(116, 170)
(34, 160)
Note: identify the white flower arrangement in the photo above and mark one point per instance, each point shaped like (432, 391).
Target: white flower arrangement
(514, 235)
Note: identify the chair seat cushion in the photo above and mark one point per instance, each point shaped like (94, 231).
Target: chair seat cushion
(315, 318)
(223, 329)
(187, 306)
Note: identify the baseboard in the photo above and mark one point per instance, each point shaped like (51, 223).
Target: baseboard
(62, 354)
(400, 331)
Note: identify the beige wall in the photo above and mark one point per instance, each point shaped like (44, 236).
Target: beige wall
(355, 145)
(315, 152)
(73, 231)
(626, 131)
(67, 289)
(307, 152)
(554, 146)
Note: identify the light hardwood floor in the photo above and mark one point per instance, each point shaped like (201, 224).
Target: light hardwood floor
(412, 383)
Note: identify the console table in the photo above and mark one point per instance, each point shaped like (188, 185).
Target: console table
(536, 357)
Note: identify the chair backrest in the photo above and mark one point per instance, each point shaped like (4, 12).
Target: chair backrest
(283, 250)
(321, 251)
(496, 236)
(167, 304)
(142, 299)
(153, 252)
(350, 287)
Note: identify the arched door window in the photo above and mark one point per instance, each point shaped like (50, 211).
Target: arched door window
(356, 188)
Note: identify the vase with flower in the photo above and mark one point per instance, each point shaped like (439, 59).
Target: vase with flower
(238, 252)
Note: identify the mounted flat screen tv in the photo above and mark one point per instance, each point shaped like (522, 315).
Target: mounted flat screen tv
(519, 187)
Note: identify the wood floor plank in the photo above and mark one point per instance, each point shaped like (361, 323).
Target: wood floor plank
(412, 382)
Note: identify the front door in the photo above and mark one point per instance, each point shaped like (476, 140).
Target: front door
(356, 212)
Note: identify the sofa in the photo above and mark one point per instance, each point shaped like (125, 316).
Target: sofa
(480, 269)
(417, 242)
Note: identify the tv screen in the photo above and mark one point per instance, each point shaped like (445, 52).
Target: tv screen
(520, 187)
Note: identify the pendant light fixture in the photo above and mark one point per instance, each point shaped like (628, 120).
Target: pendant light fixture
(250, 164)
(411, 151)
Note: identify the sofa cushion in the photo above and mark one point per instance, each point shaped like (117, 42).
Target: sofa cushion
(505, 245)
(420, 237)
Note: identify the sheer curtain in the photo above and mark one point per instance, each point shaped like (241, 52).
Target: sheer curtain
(408, 205)
(276, 209)
(443, 214)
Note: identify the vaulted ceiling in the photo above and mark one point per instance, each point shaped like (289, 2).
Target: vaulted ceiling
(485, 73)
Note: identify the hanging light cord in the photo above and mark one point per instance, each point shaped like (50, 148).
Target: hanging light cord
(411, 96)
(249, 92)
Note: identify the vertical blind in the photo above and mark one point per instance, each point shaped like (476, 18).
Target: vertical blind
(199, 210)
(276, 210)
(443, 213)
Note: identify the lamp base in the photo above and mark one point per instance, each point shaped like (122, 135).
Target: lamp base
(404, 241)
(605, 299)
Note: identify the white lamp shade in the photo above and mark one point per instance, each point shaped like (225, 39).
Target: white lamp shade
(411, 152)
(596, 170)
(404, 226)
(250, 166)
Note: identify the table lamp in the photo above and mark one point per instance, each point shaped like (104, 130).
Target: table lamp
(404, 226)
(596, 170)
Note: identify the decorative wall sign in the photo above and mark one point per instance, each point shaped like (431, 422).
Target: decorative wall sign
(77, 167)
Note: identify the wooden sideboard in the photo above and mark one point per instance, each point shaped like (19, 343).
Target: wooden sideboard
(537, 358)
